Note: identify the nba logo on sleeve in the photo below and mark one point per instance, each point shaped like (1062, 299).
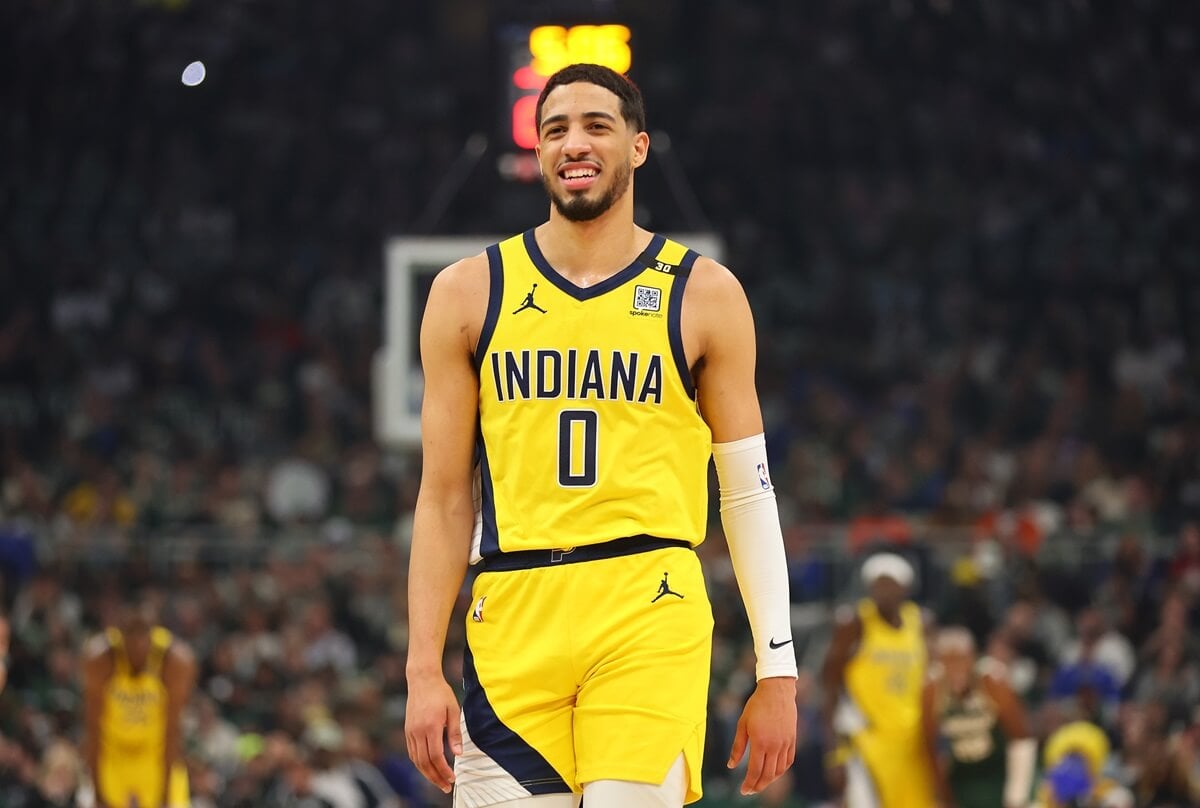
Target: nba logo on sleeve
(646, 298)
(764, 479)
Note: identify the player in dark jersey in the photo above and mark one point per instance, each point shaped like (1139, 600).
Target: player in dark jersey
(976, 728)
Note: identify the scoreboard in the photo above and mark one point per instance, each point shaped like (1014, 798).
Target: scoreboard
(533, 53)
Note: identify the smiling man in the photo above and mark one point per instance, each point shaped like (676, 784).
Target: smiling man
(579, 376)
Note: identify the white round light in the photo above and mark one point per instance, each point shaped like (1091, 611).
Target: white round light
(193, 74)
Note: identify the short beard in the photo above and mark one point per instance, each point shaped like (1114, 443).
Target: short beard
(580, 208)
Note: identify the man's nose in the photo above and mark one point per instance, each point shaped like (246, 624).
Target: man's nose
(577, 143)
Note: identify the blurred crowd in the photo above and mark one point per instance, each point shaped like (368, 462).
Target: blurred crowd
(964, 228)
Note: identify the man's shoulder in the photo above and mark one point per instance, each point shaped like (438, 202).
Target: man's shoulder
(712, 277)
(470, 269)
(713, 294)
(460, 288)
(98, 646)
(180, 649)
(97, 657)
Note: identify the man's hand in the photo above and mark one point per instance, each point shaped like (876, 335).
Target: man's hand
(835, 779)
(768, 725)
(432, 714)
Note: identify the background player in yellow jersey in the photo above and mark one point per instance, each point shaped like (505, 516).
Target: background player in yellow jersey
(137, 680)
(873, 680)
(580, 375)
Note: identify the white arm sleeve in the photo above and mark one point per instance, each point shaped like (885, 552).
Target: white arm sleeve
(1018, 783)
(751, 521)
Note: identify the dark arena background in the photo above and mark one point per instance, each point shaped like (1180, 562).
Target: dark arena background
(968, 230)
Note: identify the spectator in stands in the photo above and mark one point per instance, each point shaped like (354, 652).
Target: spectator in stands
(1185, 566)
(1173, 629)
(1099, 646)
(326, 645)
(1075, 756)
(1157, 767)
(1170, 683)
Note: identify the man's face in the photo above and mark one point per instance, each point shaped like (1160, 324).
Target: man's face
(888, 593)
(958, 665)
(586, 150)
(136, 623)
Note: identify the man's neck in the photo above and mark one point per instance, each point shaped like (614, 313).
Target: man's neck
(586, 253)
(889, 615)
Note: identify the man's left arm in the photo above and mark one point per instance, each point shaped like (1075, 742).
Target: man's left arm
(719, 329)
(1021, 754)
(179, 677)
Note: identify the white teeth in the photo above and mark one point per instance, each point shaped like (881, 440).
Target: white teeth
(576, 173)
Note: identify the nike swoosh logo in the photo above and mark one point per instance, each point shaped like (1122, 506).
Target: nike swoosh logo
(775, 645)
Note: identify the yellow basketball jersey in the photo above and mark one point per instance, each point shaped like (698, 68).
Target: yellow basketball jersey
(589, 429)
(134, 715)
(885, 677)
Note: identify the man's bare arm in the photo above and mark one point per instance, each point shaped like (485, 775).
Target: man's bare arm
(1021, 754)
(445, 511)
(846, 635)
(931, 732)
(719, 333)
(179, 678)
(97, 668)
(1009, 710)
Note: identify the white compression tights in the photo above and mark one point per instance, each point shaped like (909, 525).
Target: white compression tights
(615, 794)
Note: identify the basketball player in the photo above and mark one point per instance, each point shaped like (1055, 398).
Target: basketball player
(981, 723)
(136, 681)
(873, 678)
(582, 373)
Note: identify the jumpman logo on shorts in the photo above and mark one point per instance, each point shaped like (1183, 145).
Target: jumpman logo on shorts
(529, 304)
(665, 589)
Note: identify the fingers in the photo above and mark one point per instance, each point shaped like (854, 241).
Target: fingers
(426, 753)
(740, 739)
(454, 731)
(767, 765)
(835, 778)
(425, 749)
(442, 774)
(754, 771)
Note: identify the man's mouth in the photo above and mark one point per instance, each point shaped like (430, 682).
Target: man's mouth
(578, 177)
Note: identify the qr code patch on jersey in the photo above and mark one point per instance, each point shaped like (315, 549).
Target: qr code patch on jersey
(646, 298)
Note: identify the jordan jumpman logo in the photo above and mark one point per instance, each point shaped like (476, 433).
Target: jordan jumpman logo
(665, 589)
(529, 304)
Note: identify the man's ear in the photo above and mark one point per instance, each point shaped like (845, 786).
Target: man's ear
(641, 148)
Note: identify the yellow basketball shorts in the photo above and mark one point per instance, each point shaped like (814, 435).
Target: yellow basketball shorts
(895, 772)
(125, 778)
(587, 670)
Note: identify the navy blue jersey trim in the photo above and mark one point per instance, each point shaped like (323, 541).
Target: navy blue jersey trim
(489, 540)
(674, 329)
(495, 298)
(531, 559)
(646, 259)
(527, 766)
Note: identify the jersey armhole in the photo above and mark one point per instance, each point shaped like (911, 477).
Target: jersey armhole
(674, 321)
(495, 297)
